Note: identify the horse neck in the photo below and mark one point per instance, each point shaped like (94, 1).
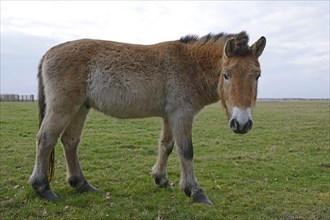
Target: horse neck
(209, 65)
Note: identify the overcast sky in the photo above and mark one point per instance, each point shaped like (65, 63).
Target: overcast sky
(295, 62)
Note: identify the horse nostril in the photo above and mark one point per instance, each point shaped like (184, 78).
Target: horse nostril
(247, 127)
(234, 125)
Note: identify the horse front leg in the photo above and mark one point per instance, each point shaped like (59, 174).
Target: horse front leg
(166, 143)
(182, 128)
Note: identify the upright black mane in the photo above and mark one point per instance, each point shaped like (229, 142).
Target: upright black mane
(241, 40)
(192, 38)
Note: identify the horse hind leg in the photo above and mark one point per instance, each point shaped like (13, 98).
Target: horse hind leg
(70, 140)
(166, 143)
(51, 128)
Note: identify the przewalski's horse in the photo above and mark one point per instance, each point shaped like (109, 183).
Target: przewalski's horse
(173, 80)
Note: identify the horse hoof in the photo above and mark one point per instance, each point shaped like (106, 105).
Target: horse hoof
(48, 195)
(81, 184)
(91, 188)
(162, 182)
(87, 188)
(201, 198)
(43, 190)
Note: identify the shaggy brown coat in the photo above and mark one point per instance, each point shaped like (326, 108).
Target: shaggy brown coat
(173, 80)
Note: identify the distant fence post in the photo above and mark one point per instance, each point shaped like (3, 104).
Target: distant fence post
(16, 98)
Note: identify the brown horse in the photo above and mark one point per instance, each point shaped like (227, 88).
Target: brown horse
(173, 80)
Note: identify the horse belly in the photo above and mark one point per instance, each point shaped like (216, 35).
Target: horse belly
(132, 99)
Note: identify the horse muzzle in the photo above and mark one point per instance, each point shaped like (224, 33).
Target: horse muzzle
(241, 120)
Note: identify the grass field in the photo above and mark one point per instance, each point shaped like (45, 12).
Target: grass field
(280, 170)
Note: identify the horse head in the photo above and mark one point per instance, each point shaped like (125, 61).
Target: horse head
(239, 80)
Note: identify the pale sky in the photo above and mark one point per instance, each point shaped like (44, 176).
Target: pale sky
(295, 62)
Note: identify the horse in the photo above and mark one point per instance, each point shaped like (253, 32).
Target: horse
(173, 80)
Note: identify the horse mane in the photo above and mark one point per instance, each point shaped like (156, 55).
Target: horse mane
(241, 40)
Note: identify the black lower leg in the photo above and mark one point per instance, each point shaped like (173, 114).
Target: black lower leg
(80, 184)
(161, 181)
(197, 196)
(42, 188)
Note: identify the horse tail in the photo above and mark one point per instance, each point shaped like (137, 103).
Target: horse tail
(42, 111)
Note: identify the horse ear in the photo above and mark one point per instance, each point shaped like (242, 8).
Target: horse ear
(259, 46)
(230, 48)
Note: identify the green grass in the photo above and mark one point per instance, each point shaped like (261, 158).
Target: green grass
(280, 170)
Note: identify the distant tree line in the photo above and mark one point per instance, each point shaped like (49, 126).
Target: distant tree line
(16, 98)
